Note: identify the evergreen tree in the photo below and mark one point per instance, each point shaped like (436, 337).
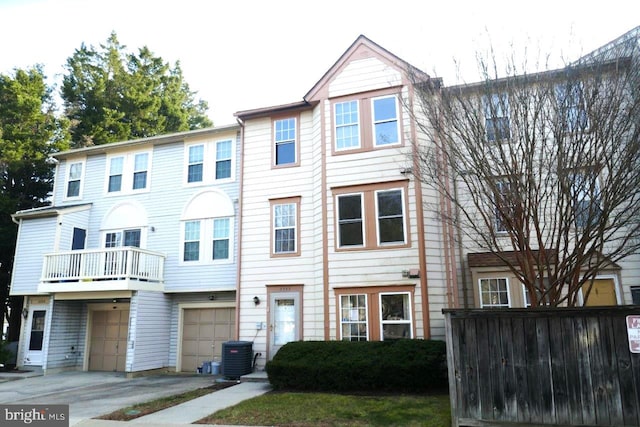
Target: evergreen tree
(29, 133)
(110, 95)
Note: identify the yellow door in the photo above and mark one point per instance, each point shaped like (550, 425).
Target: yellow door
(603, 292)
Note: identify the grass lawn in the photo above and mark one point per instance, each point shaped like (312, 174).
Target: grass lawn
(324, 409)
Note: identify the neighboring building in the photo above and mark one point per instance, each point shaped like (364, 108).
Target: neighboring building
(335, 243)
(134, 266)
(572, 108)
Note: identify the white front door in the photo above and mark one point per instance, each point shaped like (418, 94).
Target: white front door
(284, 320)
(35, 337)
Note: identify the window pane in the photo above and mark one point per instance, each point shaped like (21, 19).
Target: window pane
(192, 230)
(396, 331)
(75, 171)
(347, 127)
(494, 293)
(141, 161)
(132, 238)
(285, 153)
(221, 249)
(384, 109)
(191, 251)
(223, 159)
(139, 180)
(73, 189)
(350, 220)
(350, 207)
(285, 215)
(115, 183)
(223, 169)
(389, 203)
(385, 119)
(496, 111)
(195, 173)
(223, 150)
(221, 228)
(353, 317)
(112, 240)
(285, 137)
(390, 217)
(196, 154)
(285, 240)
(115, 167)
(386, 133)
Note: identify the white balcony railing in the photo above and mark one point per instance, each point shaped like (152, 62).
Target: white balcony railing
(123, 263)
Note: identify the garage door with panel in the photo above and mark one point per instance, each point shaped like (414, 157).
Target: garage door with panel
(203, 332)
(109, 329)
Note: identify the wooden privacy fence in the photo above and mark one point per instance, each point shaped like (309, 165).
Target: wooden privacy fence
(535, 367)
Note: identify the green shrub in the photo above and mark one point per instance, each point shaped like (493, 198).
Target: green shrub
(398, 366)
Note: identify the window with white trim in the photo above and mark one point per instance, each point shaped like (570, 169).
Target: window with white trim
(367, 123)
(116, 167)
(191, 245)
(347, 125)
(207, 229)
(216, 235)
(127, 173)
(353, 318)
(140, 170)
(503, 206)
(571, 106)
(395, 316)
(209, 162)
(74, 180)
(374, 313)
(494, 292)
(221, 236)
(390, 217)
(496, 113)
(195, 168)
(284, 136)
(385, 120)
(585, 195)
(223, 159)
(373, 217)
(350, 220)
(285, 226)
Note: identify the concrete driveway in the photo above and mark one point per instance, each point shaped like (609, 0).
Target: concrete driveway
(90, 394)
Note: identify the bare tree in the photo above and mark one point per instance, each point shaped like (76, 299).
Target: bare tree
(540, 169)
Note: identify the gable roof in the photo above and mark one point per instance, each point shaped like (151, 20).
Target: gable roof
(364, 46)
(360, 46)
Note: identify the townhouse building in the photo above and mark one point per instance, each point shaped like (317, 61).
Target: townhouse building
(133, 267)
(335, 243)
(303, 221)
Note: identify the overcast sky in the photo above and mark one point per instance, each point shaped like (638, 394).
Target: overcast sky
(240, 55)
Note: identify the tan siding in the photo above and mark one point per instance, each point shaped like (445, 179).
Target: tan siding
(363, 75)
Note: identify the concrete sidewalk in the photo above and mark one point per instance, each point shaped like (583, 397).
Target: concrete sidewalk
(188, 412)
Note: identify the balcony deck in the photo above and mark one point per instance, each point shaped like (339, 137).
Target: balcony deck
(108, 269)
